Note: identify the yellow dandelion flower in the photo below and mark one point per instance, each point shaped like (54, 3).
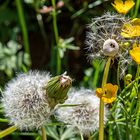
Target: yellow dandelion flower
(135, 53)
(107, 93)
(123, 7)
(131, 29)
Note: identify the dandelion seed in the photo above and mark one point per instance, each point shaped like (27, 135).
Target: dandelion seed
(85, 115)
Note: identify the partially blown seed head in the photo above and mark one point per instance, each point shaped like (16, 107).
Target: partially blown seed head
(104, 39)
(103, 28)
(85, 114)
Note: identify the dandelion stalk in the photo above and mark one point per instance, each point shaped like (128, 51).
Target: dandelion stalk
(56, 36)
(101, 114)
(7, 131)
(44, 137)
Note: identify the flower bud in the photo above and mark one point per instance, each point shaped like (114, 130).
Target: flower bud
(128, 79)
(110, 47)
(57, 89)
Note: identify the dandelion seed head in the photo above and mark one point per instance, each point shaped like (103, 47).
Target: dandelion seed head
(85, 115)
(24, 100)
(104, 30)
(108, 26)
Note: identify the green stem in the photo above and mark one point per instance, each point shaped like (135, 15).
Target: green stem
(137, 5)
(110, 132)
(138, 94)
(56, 36)
(101, 113)
(3, 120)
(106, 71)
(138, 112)
(118, 120)
(132, 129)
(44, 137)
(7, 131)
(118, 132)
(127, 128)
(23, 25)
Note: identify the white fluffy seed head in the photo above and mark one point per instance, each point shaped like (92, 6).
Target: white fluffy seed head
(24, 101)
(85, 115)
(110, 47)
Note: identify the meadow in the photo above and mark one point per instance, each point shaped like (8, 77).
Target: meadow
(70, 70)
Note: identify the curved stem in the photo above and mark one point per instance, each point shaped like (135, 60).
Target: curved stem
(101, 113)
(23, 25)
(43, 133)
(7, 131)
